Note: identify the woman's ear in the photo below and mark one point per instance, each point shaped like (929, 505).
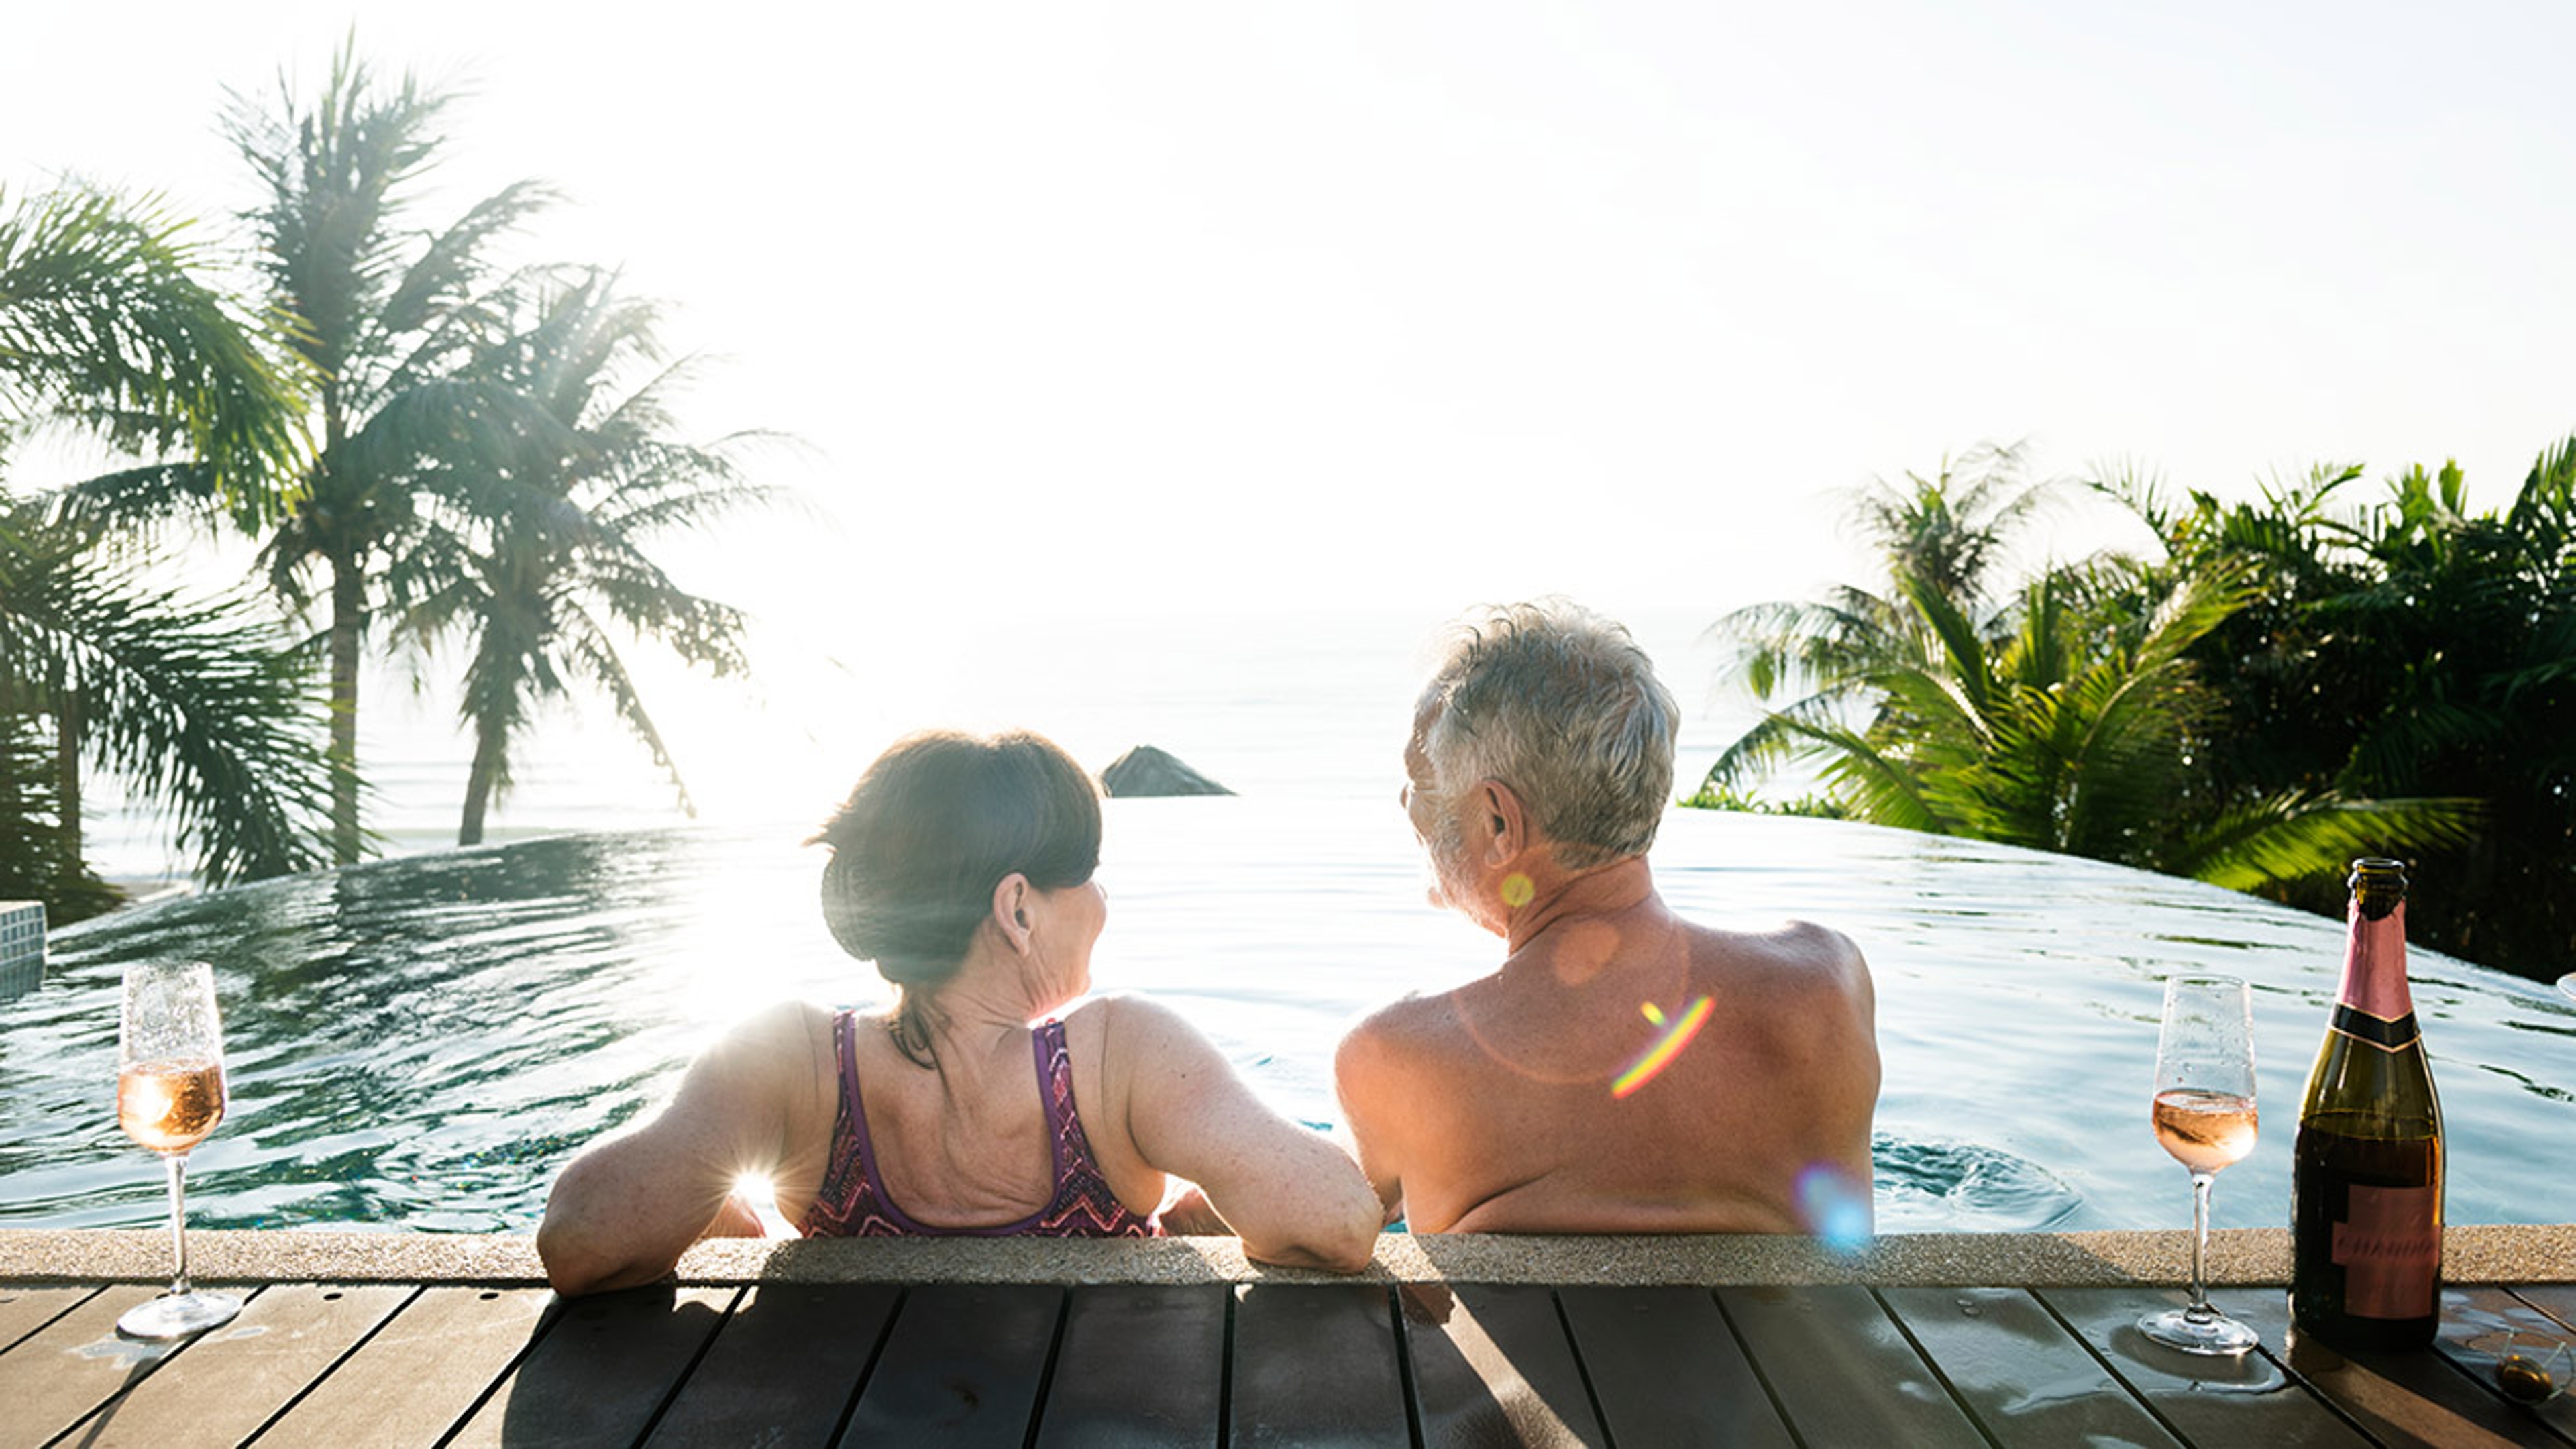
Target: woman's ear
(1011, 910)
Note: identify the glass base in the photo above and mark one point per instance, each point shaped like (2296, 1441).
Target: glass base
(2206, 1331)
(176, 1315)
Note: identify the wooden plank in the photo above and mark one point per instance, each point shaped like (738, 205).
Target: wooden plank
(237, 1377)
(1668, 1371)
(421, 1372)
(2558, 1300)
(1492, 1365)
(2024, 1377)
(1842, 1372)
(1139, 1366)
(65, 1371)
(23, 1309)
(784, 1368)
(2409, 1397)
(2205, 1400)
(962, 1367)
(1316, 1364)
(602, 1370)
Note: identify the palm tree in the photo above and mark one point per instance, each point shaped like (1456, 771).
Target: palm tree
(543, 567)
(194, 703)
(2066, 717)
(107, 330)
(391, 321)
(1948, 532)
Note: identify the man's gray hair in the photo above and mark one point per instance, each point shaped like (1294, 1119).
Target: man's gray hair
(1560, 704)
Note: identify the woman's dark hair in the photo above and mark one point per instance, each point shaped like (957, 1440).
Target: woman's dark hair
(932, 827)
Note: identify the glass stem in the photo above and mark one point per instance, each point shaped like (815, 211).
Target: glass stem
(178, 1165)
(2200, 1311)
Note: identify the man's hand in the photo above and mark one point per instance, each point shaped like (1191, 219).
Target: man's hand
(1190, 1216)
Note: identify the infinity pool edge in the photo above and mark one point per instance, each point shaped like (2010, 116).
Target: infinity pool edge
(2472, 1253)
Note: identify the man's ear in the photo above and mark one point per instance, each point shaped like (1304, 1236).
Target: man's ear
(1505, 827)
(1011, 911)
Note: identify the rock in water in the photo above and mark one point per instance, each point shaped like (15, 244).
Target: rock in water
(1146, 770)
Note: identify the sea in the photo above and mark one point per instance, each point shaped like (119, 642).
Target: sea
(1312, 704)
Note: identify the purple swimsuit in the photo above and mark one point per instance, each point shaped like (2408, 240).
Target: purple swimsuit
(853, 1201)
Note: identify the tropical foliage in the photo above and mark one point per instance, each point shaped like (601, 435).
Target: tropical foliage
(539, 562)
(2407, 646)
(392, 321)
(107, 330)
(193, 704)
(2068, 713)
(402, 422)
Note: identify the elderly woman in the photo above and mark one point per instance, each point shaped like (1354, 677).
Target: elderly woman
(962, 867)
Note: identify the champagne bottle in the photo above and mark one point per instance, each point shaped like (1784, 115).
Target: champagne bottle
(2366, 1183)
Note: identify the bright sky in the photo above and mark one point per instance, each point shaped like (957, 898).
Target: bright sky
(1146, 305)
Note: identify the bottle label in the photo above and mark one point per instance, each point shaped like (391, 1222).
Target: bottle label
(2390, 1249)
(2379, 1031)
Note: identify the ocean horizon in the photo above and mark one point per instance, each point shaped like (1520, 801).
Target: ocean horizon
(1316, 705)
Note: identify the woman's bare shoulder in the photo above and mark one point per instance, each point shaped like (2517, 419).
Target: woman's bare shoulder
(777, 1028)
(776, 1053)
(1132, 1024)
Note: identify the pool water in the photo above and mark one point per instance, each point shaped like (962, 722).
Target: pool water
(421, 1043)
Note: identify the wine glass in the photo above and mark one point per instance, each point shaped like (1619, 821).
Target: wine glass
(169, 1095)
(2204, 1116)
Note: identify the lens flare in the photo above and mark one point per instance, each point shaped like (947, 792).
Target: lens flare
(1666, 1047)
(1517, 890)
(1834, 1213)
(755, 1191)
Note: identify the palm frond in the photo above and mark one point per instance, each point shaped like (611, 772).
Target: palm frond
(2295, 836)
(106, 327)
(591, 651)
(195, 705)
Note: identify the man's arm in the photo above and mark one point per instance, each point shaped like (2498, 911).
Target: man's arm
(1830, 1037)
(1364, 1072)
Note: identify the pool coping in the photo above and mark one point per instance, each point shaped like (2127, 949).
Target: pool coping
(2471, 1253)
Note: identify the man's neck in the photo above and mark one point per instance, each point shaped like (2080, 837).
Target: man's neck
(1622, 885)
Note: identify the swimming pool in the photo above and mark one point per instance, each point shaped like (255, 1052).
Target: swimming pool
(420, 1043)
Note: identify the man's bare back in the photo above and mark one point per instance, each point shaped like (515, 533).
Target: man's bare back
(1546, 1097)
(1624, 1070)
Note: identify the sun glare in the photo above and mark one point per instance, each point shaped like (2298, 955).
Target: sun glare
(758, 1193)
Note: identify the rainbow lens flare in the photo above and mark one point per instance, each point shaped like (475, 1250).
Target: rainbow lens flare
(1666, 1047)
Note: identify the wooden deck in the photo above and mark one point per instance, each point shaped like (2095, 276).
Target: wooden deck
(1264, 1363)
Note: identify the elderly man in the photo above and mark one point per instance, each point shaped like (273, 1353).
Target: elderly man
(1623, 1070)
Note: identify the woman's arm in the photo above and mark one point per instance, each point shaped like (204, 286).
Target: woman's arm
(1292, 1196)
(626, 1208)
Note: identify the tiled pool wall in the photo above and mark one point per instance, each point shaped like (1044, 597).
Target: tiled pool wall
(22, 947)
